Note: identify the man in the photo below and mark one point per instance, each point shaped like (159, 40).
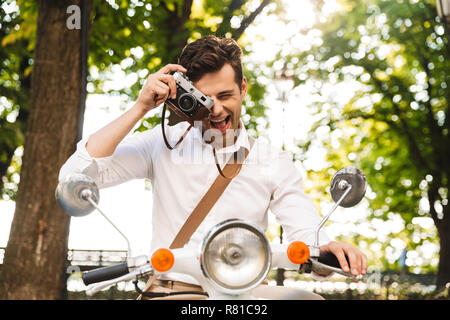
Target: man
(268, 179)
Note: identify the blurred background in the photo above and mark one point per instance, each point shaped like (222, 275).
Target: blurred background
(335, 83)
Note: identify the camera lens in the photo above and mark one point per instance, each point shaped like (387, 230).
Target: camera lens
(187, 102)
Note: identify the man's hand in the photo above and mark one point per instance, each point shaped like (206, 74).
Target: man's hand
(157, 87)
(155, 91)
(357, 259)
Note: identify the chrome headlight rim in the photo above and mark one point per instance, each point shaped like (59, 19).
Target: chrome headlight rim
(225, 225)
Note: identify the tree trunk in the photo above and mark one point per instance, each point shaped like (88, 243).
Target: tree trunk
(443, 276)
(35, 259)
(443, 227)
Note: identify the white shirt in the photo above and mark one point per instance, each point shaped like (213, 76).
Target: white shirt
(268, 181)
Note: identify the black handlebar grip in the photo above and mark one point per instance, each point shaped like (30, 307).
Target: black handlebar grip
(331, 260)
(105, 273)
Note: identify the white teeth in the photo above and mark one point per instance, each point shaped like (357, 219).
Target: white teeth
(217, 121)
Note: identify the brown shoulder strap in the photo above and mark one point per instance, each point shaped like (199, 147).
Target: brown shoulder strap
(208, 201)
(203, 207)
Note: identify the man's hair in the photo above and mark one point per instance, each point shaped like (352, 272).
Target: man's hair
(209, 54)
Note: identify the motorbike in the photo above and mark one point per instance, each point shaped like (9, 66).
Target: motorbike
(235, 255)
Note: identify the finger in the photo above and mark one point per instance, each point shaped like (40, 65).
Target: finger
(339, 253)
(171, 67)
(159, 100)
(359, 262)
(161, 84)
(161, 92)
(354, 262)
(364, 263)
(170, 81)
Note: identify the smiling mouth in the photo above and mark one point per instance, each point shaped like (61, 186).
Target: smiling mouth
(221, 125)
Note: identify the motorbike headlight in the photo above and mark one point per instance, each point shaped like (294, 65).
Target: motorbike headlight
(235, 256)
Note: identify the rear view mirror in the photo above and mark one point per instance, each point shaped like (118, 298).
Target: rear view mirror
(73, 192)
(341, 180)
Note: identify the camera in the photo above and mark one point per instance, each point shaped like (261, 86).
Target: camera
(190, 103)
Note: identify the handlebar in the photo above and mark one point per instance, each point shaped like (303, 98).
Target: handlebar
(105, 273)
(141, 265)
(327, 262)
(331, 260)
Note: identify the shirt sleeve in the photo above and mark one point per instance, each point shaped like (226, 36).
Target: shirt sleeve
(293, 209)
(131, 160)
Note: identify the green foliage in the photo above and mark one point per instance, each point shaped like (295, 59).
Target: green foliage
(128, 38)
(144, 40)
(392, 59)
(16, 39)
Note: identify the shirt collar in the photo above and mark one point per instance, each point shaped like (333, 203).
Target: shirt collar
(241, 141)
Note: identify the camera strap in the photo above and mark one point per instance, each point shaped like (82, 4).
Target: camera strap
(163, 116)
(205, 205)
(166, 141)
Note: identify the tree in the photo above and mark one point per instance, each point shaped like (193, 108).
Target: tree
(145, 39)
(35, 257)
(396, 58)
(135, 35)
(141, 36)
(15, 86)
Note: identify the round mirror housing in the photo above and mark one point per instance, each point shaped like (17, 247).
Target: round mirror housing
(340, 182)
(72, 193)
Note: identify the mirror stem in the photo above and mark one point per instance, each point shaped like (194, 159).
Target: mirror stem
(86, 194)
(316, 249)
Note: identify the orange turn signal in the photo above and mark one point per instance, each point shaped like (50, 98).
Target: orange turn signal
(298, 252)
(162, 260)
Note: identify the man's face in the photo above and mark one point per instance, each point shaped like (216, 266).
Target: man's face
(227, 95)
